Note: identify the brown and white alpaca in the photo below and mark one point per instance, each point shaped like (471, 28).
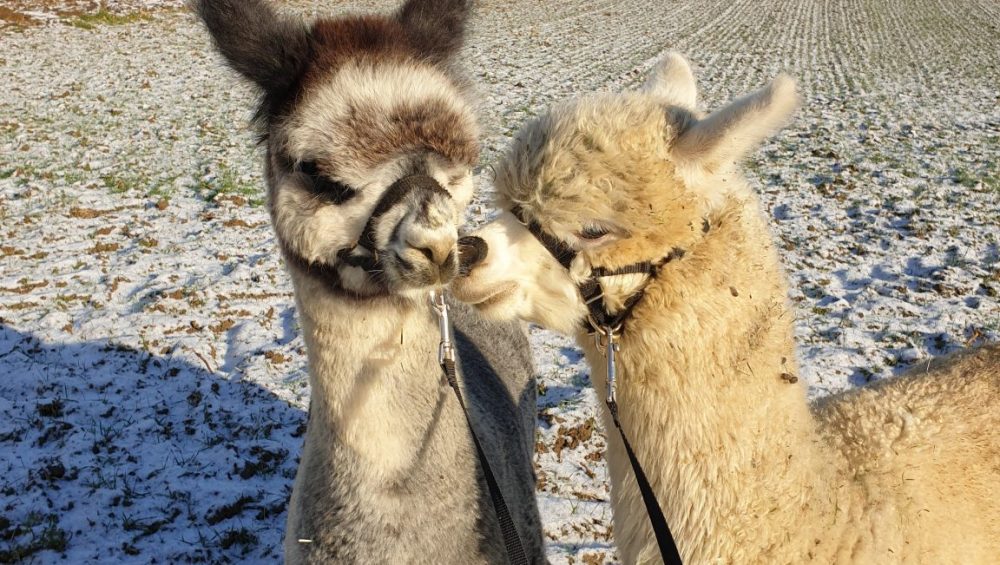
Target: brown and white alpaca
(746, 471)
(370, 141)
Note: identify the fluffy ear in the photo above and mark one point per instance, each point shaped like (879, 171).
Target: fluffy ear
(672, 81)
(728, 134)
(268, 49)
(436, 27)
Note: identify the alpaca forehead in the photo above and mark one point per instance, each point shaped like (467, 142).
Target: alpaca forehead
(601, 144)
(604, 161)
(368, 112)
(613, 123)
(337, 41)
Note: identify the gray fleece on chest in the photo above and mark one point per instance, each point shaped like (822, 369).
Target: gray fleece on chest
(440, 510)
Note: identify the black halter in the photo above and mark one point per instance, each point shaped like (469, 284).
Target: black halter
(607, 326)
(590, 289)
(368, 260)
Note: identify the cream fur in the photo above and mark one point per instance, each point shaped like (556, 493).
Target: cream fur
(905, 471)
(673, 82)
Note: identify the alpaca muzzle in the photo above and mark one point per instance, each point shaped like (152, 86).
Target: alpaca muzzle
(393, 196)
(424, 258)
(472, 250)
(421, 245)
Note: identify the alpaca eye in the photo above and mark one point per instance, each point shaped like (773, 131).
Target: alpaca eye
(308, 167)
(592, 233)
(334, 191)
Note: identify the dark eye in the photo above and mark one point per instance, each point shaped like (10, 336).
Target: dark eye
(325, 187)
(308, 167)
(592, 232)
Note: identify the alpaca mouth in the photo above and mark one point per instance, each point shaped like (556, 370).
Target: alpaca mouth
(488, 299)
(417, 274)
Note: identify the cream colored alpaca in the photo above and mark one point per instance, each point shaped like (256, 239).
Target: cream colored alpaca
(906, 470)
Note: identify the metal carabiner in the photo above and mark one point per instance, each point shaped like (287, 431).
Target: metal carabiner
(610, 345)
(446, 350)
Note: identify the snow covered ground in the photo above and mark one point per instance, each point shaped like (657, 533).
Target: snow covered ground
(152, 380)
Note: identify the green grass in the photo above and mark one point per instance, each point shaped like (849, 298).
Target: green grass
(24, 172)
(227, 182)
(37, 532)
(104, 17)
(965, 178)
(990, 176)
(992, 183)
(162, 190)
(73, 177)
(117, 184)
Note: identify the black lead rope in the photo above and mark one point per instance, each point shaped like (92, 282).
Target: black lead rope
(511, 540)
(446, 356)
(664, 539)
(608, 325)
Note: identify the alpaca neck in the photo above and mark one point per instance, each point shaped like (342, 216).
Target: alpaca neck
(375, 382)
(704, 396)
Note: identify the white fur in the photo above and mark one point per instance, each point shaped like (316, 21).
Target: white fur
(673, 82)
(388, 473)
(378, 89)
(314, 231)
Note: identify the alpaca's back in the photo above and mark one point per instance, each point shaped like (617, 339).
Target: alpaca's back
(928, 443)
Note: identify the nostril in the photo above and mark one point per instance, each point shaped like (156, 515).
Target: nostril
(439, 254)
(435, 249)
(471, 251)
(427, 253)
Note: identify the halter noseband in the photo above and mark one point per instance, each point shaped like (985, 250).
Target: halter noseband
(369, 262)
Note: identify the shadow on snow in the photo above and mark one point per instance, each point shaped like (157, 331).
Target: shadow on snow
(115, 455)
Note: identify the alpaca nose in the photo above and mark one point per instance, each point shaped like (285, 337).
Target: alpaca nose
(437, 252)
(471, 252)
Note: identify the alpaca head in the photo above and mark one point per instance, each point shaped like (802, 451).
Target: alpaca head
(369, 140)
(620, 179)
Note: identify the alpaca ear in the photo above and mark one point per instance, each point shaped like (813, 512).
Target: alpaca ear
(270, 50)
(672, 81)
(436, 27)
(730, 133)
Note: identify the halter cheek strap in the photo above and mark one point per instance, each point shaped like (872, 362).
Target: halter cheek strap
(558, 248)
(598, 316)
